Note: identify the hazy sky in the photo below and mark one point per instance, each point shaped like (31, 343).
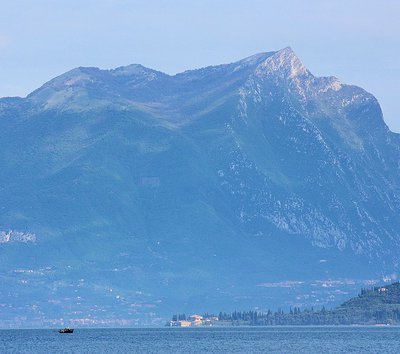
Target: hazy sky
(356, 40)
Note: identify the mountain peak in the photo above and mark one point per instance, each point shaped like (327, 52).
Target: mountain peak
(285, 63)
(135, 70)
(255, 59)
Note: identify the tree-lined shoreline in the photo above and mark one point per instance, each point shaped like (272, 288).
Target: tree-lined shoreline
(374, 306)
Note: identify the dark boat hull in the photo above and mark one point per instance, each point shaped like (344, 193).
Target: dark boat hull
(66, 330)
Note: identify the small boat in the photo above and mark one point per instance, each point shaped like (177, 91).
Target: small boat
(66, 330)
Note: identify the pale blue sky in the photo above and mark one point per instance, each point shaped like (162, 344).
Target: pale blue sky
(356, 40)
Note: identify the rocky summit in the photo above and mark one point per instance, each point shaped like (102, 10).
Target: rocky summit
(129, 194)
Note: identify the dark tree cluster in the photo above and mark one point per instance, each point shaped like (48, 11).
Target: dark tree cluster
(180, 317)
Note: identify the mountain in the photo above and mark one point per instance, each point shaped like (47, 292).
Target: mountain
(129, 194)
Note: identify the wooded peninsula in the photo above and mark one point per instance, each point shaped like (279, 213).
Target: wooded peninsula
(374, 306)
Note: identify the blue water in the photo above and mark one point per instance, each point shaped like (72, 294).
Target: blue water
(206, 340)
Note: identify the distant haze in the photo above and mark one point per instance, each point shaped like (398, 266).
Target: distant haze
(357, 41)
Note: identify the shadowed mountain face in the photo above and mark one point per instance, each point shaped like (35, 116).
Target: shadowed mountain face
(129, 194)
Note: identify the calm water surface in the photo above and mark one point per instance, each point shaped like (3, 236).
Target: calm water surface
(206, 340)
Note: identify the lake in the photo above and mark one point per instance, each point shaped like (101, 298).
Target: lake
(205, 340)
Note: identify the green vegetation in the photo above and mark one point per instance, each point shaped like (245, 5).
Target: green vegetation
(378, 305)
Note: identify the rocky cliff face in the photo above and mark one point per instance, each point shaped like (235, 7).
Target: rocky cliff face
(131, 192)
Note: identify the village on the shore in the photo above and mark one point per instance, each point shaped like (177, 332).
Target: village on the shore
(192, 321)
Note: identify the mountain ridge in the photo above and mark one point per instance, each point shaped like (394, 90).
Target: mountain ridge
(194, 188)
